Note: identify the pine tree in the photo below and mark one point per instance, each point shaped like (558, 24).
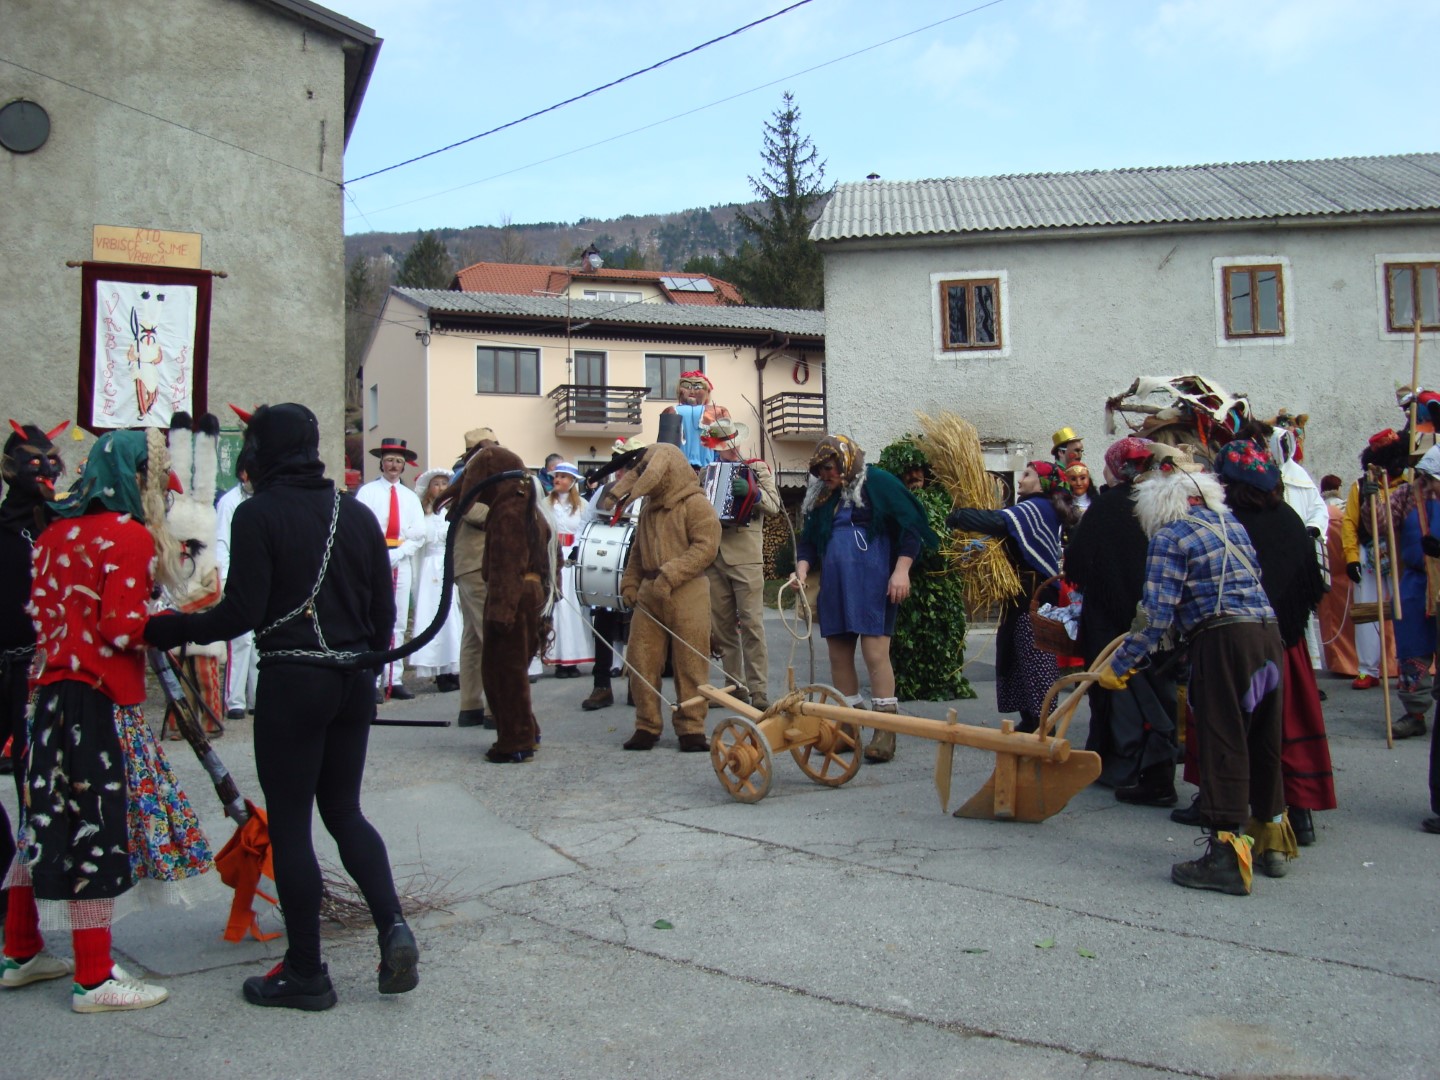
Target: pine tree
(783, 267)
(427, 265)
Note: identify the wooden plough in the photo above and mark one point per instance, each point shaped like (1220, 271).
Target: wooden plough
(1035, 775)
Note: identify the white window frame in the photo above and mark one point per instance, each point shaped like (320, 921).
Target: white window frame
(1287, 300)
(937, 317)
(613, 296)
(1382, 315)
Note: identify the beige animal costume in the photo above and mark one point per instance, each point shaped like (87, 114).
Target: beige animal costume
(676, 538)
(737, 576)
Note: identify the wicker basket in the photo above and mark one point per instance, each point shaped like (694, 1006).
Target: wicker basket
(1050, 635)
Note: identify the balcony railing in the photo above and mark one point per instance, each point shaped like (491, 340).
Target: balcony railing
(598, 410)
(795, 416)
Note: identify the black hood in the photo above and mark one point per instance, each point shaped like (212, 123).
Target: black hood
(283, 444)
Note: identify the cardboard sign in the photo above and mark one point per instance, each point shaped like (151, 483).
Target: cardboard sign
(145, 247)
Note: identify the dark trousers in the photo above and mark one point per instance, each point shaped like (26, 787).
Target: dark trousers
(1236, 694)
(609, 626)
(312, 725)
(14, 690)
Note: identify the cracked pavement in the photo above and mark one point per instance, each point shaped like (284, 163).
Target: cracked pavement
(821, 932)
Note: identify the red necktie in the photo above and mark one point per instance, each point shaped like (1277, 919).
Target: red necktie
(392, 530)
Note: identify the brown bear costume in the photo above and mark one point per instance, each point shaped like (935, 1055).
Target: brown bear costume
(676, 538)
(518, 572)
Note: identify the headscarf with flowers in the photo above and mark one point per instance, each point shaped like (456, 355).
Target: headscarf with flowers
(1052, 477)
(1246, 462)
(1128, 458)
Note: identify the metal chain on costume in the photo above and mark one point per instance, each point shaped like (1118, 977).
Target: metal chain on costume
(307, 607)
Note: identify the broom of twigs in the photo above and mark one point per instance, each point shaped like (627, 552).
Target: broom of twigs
(342, 905)
(953, 447)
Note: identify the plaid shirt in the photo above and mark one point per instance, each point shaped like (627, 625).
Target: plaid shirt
(1189, 578)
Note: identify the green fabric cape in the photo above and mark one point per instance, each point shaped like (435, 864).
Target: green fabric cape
(894, 510)
(108, 477)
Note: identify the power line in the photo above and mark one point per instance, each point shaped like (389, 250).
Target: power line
(689, 112)
(586, 94)
(172, 123)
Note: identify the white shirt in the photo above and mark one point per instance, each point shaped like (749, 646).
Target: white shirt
(376, 495)
(224, 517)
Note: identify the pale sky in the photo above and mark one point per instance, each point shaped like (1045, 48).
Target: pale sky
(1020, 86)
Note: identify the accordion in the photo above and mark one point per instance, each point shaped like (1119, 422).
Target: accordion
(733, 490)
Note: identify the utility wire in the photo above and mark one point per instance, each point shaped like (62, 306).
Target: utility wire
(174, 123)
(586, 94)
(690, 112)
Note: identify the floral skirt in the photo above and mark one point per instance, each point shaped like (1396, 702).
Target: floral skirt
(104, 809)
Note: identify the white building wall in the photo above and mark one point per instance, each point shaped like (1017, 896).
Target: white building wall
(257, 176)
(1084, 316)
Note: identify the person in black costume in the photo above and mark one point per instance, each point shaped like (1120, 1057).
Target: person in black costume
(1133, 730)
(30, 467)
(310, 574)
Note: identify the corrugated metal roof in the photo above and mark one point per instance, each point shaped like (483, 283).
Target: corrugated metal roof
(781, 320)
(1194, 193)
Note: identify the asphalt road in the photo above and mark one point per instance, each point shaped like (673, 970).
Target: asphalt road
(611, 914)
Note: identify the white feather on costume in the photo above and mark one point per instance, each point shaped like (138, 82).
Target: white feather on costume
(191, 516)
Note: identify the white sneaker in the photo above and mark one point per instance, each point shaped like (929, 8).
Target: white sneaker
(39, 967)
(120, 991)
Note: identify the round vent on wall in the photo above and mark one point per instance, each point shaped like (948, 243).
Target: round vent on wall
(24, 126)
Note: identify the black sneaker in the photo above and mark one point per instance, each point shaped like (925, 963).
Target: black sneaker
(281, 989)
(399, 960)
(1218, 869)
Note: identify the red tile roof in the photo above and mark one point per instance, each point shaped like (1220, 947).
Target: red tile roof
(523, 278)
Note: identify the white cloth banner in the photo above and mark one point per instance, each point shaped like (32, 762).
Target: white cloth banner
(144, 353)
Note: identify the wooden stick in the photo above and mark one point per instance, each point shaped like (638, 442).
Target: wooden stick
(1380, 613)
(981, 738)
(1415, 386)
(1396, 613)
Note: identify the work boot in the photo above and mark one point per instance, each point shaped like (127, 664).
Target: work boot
(1217, 869)
(1155, 786)
(1409, 726)
(1274, 863)
(693, 744)
(1303, 822)
(602, 697)
(1188, 815)
(882, 744)
(281, 988)
(472, 718)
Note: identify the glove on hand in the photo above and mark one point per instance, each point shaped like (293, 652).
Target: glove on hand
(629, 594)
(1369, 489)
(660, 590)
(1431, 546)
(1111, 681)
(165, 632)
(1352, 571)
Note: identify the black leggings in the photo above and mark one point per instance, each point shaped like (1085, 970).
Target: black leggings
(312, 725)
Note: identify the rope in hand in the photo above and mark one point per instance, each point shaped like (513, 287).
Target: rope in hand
(803, 614)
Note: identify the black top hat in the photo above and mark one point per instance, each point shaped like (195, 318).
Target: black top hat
(395, 446)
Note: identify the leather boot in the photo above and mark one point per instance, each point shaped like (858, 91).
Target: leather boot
(882, 743)
(1154, 786)
(602, 697)
(1303, 822)
(1217, 869)
(1409, 726)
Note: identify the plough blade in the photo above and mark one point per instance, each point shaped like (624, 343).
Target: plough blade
(1031, 788)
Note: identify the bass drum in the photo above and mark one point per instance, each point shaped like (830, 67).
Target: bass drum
(600, 558)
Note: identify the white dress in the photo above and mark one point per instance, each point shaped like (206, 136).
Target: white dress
(573, 643)
(441, 656)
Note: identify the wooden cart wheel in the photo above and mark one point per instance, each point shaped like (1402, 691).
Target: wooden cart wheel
(835, 756)
(741, 756)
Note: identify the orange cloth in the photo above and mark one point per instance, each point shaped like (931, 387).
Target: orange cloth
(241, 863)
(1337, 632)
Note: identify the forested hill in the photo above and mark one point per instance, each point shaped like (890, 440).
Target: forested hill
(641, 241)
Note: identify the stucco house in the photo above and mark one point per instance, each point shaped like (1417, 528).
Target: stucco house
(567, 360)
(223, 119)
(1023, 302)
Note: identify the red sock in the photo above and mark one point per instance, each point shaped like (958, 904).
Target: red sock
(22, 924)
(92, 955)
